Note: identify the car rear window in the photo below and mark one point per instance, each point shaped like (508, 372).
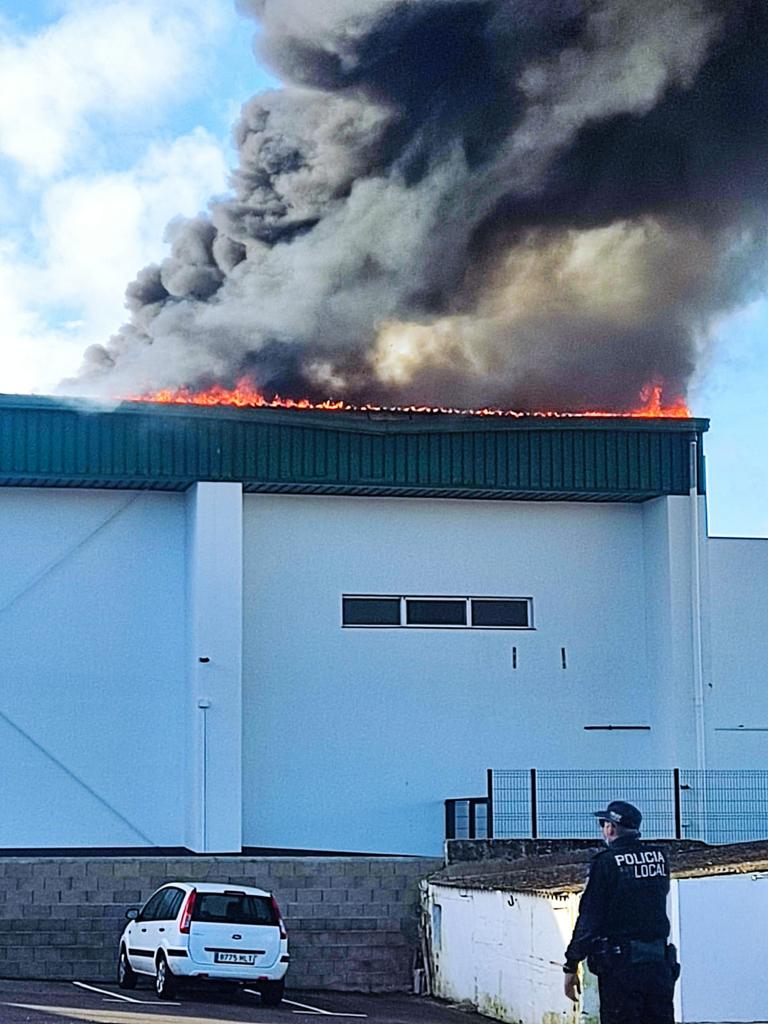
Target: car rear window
(233, 908)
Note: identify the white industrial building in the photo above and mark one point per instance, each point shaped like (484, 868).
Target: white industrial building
(229, 629)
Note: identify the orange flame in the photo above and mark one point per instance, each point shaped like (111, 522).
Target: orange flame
(245, 396)
(652, 406)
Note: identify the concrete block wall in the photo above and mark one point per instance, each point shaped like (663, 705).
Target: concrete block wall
(352, 922)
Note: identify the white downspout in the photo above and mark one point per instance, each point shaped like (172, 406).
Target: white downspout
(698, 657)
(204, 705)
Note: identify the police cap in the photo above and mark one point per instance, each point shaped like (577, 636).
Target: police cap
(620, 813)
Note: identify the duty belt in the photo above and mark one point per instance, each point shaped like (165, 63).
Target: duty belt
(638, 951)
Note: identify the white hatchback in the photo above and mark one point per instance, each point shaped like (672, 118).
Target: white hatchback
(206, 931)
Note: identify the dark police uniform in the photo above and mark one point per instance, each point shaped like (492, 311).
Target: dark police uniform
(622, 930)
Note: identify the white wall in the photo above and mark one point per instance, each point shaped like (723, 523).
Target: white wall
(92, 640)
(214, 701)
(354, 737)
(739, 659)
(503, 953)
(669, 575)
(723, 942)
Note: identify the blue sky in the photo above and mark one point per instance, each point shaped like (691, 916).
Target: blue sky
(733, 393)
(116, 116)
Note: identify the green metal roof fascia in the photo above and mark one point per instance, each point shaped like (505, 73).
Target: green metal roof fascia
(52, 443)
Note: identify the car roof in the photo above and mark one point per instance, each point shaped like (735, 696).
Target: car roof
(218, 887)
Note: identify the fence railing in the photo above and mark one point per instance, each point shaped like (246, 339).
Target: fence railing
(716, 806)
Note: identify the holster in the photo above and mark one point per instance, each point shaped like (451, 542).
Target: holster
(674, 963)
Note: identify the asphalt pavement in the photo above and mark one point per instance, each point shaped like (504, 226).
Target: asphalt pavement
(30, 1002)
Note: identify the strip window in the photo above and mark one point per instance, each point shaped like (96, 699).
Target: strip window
(435, 611)
(371, 611)
(422, 612)
(501, 613)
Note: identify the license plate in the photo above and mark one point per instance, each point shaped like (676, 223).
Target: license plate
(234, 958)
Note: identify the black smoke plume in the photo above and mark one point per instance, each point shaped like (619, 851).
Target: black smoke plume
(528, 203)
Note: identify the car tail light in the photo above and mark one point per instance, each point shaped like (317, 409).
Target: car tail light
(279, 916)
(186, 912)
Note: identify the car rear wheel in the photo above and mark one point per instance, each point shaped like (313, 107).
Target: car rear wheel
(272, 992)
(165, 983)
(126, 978)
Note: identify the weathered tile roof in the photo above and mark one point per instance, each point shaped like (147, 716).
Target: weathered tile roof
(566, 870)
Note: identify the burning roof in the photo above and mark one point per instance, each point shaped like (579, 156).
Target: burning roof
(528, 204)
(49, 442)
(245, 396)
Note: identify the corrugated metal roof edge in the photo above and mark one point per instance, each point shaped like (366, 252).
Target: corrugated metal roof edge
(360, 421)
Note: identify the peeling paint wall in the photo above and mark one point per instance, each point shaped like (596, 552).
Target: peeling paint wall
(503, 952)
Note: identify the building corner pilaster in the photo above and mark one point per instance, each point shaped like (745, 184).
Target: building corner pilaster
(214, 527)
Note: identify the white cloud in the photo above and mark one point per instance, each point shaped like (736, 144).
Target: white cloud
(27, 345)
(98, 230)
(94, 233)
(91, 168)
(114, 59)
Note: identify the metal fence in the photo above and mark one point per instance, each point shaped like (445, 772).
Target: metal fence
(712, 806)
(723, 806)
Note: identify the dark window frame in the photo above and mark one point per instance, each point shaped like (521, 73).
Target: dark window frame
(459, 602)
(527, 601)
(467, 600)
(372, 597)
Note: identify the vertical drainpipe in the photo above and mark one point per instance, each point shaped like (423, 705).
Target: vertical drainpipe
(204, 705)
(698, 659)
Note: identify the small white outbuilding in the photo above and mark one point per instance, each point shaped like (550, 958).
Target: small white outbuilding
(496, 942)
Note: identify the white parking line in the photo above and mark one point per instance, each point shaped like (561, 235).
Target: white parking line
(122, 1016)
(117, 995)
(305, 1008)
(102, 992)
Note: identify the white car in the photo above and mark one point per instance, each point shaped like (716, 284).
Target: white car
(206, 931)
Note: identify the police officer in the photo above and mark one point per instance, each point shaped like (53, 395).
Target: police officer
(622, 927)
